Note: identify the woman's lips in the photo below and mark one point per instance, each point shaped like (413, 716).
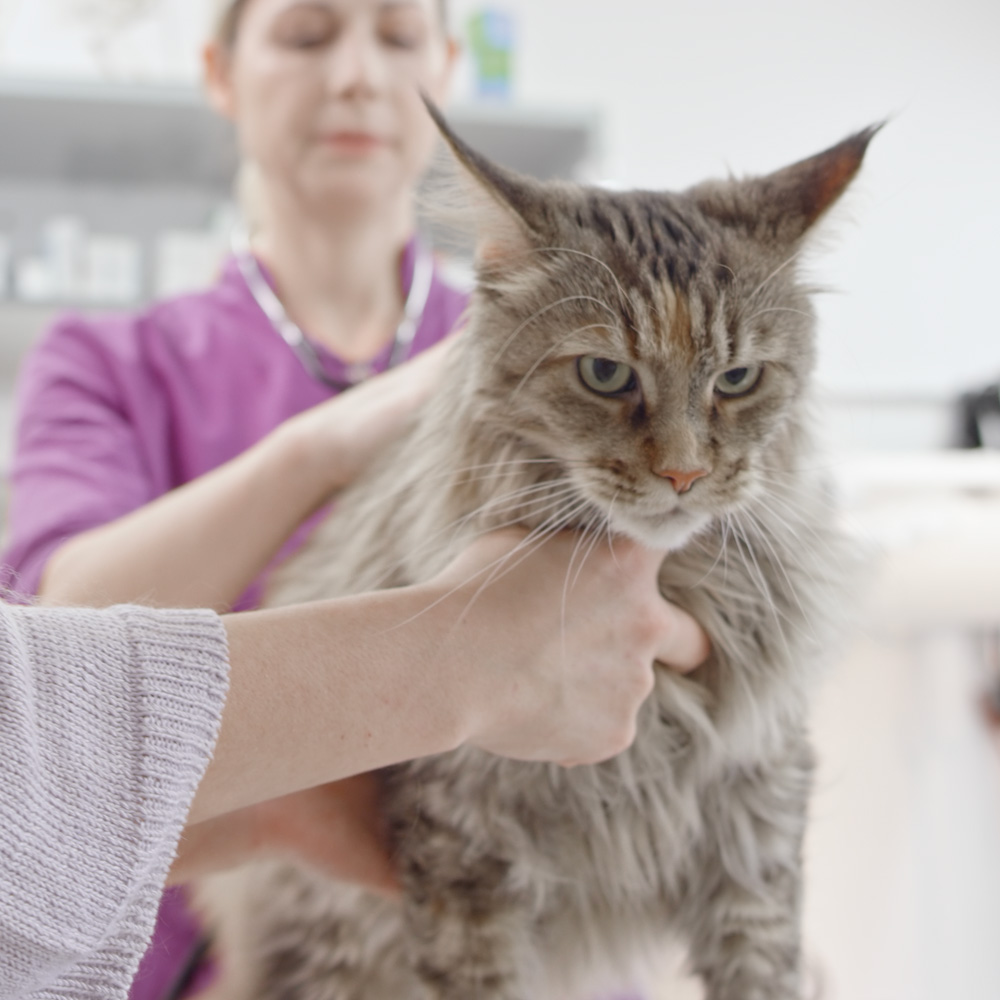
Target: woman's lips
(358, 142)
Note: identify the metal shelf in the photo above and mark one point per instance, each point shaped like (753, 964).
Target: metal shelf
(103, 134)
(536, 141)
(113, 134)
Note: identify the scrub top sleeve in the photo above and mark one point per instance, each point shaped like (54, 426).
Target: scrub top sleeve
(78, 459)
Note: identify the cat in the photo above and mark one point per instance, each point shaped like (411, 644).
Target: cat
(635, 363)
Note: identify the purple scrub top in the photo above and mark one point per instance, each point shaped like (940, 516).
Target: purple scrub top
(116, 411)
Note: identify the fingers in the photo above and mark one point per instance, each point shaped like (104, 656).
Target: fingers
(568, 683)
(336, 827)
(682, 644)
(354, 856)
(423, 370)
(687, 646)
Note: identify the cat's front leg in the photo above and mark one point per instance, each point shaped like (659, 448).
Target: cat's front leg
(468, 923)
(746, 900)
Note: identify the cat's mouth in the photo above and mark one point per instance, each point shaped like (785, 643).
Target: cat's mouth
(669, 531)
(651, 525)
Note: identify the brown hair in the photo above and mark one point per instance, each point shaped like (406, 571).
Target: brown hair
(225, 31)
(229, 21)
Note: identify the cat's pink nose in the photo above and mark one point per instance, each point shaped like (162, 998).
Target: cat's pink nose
(682, 480)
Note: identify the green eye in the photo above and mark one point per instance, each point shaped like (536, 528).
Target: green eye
(604, 376)
(739, 381)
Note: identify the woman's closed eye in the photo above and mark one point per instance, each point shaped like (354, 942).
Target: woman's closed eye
(403, 27)
(306, 26)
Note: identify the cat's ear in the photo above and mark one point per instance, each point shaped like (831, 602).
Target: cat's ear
(509, 212)
(785, 205)
(802, 193)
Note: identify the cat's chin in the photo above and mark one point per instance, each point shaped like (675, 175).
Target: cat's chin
(660, 531)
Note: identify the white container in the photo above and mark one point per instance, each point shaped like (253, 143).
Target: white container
(64, 239)
(33, 280)
(188, 261)
(5, 262)
(112, 270)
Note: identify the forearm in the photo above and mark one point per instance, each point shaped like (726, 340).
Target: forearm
(321, 692)
(203, 544)
(522, 668)
(200, 545)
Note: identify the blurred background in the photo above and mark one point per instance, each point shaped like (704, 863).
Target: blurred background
(115, 188)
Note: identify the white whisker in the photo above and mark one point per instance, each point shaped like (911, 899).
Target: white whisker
(541, 312)
(544, 530)
(778, 309)
(581, 537)
(589, 256)
(531, 371)
(776, 560)
(753, 567)
(540, 534)
(559, 492)
(753, 295)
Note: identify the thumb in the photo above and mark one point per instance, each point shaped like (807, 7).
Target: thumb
(685, 645)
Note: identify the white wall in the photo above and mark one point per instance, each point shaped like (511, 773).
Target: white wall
(692, 88)
(123, 39)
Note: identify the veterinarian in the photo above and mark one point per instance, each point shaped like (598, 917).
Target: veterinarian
(170, 457)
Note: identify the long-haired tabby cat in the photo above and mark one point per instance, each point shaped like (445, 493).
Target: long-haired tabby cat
(637, 363)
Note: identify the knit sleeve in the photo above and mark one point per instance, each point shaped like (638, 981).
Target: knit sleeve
(107, 722)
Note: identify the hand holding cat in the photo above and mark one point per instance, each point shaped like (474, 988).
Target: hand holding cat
(201, 545)
(564, 645)
(340, 437)
(550, 662)
(336, 828)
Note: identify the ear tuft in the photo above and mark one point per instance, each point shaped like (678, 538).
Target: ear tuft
(783, 206)
(808, 188)
(507, 208)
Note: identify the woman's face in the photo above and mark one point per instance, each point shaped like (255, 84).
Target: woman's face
(325, 94)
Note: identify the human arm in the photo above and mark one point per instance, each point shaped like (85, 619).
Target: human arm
(125, 704)
(337, 826)
(410, 672)
(202, 544)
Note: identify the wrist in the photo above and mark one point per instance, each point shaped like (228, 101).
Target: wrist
(402, 656)
(308, 456)
(453, 664)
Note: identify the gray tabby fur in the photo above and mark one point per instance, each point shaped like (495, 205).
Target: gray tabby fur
(523, 880)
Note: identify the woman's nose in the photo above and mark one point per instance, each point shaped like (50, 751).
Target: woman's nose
(356, 65)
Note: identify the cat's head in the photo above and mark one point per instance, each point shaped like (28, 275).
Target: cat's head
(655, 344)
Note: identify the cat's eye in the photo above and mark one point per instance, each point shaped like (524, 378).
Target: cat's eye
(604, 376)
(739, 381)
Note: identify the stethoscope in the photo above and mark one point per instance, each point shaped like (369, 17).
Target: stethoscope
(291, 332)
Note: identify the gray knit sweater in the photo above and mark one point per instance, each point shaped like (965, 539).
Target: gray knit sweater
(107, 722)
